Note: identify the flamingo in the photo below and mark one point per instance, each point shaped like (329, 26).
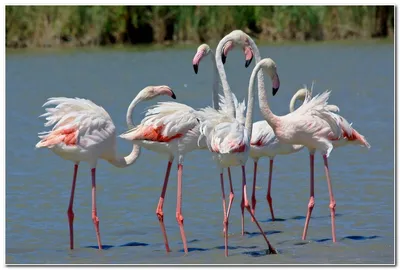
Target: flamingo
(348, 136)
(313, 125)
(229, 140)
(264, 143)
(219, 104)
(84, 131)
(172, 129)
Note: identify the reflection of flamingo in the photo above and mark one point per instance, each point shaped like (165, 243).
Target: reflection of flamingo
(229, 141)
(84, 131)
(314, 126)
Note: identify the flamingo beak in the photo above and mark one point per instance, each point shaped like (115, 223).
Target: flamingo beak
(223, 57)
(248, 62)
(196, 68)
(275, 84)
(173, 95)
(249, 56)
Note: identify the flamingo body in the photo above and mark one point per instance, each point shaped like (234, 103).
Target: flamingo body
(84, 131)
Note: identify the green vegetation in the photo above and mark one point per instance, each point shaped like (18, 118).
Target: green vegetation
(54, 26)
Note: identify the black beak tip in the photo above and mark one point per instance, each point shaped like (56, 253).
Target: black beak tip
(274, 91)
(248, 62)
(173, 95)
(198, 120)
(196, 68)
(223, 57)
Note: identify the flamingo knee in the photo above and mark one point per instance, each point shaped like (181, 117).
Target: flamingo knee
(179, 218)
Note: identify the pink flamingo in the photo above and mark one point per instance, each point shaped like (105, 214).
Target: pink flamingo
(313, 125)
(172, 129)
(84, 131)
(219, 104)
(348, 135)
(264, 143)
(229, 141)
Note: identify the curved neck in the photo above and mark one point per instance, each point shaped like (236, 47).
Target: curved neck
(129, 112)
(222, 75)
(298, 96)
(271, 118)
(122, 162)
(215, 99)
(250, 102)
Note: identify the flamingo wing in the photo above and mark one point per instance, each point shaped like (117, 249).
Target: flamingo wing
(77, 122)
(164, 122)
(240, 107)
(262, 134)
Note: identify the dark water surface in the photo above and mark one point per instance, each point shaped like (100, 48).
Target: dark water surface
(38, 182)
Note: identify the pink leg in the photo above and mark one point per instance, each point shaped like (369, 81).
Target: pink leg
(70, 213)
(253, 196)
(247, 206)
(231, 195)
(94, 208)
(311, 202)
(269, 198)
(332, 204)
(225, 222)
(242, 208)
(179, 216)
(159, 210)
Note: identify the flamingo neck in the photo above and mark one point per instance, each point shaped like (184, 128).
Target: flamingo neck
(122, 162)
(129, 112)
(215, 98)
(250, 103)
(225, 86)
(300, 95)
(271, 118)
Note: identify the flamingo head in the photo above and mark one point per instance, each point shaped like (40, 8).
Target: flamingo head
(151, 92)
(269, 67)
(202, 51)
(238, 38)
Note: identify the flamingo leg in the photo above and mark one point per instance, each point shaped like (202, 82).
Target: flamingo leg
(179, 216)
(332, 202)
(70, 212)
(311, 201)
(242, 209)
(253, 196)
(231, 195)
(225, 222)
(269, 198)
(94, 208)
(159, 210)
(247, 206)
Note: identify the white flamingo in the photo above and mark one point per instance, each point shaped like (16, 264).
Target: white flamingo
(312, 125)
(264, 143)
(84, 131)
(348, 135)
(202, 52)
(229, 141)
(169, 128)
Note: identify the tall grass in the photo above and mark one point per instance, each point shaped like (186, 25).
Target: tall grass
(43, 26)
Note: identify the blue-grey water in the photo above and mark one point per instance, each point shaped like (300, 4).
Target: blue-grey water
(361, 77)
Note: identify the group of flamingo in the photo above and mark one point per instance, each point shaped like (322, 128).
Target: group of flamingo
(84, 131)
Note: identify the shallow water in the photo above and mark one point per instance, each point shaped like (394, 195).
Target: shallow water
(38, 182)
